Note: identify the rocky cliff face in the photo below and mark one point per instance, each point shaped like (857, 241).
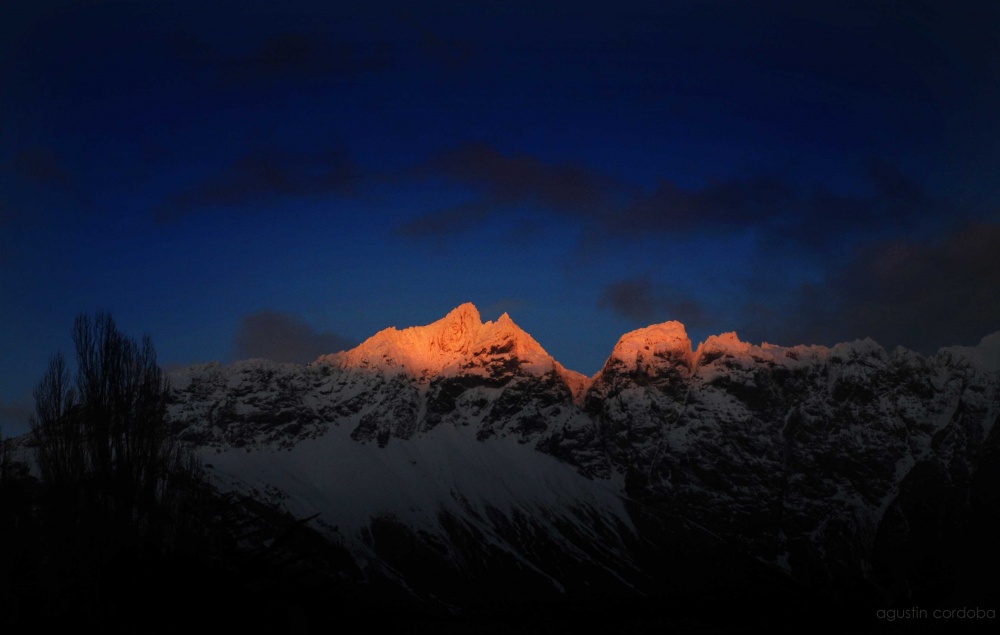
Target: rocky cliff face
(834, 468)
(803, 456)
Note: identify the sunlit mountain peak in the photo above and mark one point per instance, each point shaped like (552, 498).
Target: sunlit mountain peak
(448, 344)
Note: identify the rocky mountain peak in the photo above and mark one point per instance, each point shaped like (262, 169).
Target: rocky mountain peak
(449, 343)
(986, 354)
(667, 340)
(722, 345)
(834, 468)
(456, 331)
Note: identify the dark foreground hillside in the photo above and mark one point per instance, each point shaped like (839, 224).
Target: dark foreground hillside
(225, 562)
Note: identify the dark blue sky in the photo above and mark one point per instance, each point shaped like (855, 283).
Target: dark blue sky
(285, 179)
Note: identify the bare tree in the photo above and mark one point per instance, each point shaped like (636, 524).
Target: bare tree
(122, 394)
(5, 458)
(55, 428)
(110, 433)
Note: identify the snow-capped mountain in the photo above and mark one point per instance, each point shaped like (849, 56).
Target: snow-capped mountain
(450, 456)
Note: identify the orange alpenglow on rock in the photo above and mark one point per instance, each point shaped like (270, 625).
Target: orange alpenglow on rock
(452, 345)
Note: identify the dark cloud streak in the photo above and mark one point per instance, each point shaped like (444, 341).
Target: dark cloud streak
(284, 337)
(817, 219)
(299, 55)
(264, 176)
(918, 294)
(562, 187)
(502, 181)
(720, 205)
(447, 222)
(638, 300)
(36, 178)
(893, 184)
(41, 166)
(611, 212)
(451, 53)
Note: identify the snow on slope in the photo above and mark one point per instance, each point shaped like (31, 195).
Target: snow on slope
(447, 469)
(986, 354)
(514, 500)
(794, 454)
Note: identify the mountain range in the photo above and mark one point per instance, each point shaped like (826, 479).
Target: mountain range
(458, 466)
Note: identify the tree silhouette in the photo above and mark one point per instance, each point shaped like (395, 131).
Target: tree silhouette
(59, 443)
(123, 524)
(107, 435)
(4, 456)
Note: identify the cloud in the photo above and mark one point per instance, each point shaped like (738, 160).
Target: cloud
(304, 54)
(500, 181)
(815, 218)
(38, 177)
(638, 300)
(611, 212)
(264, 176)
(452, 220)
(450, 53)
(730, 204)
(823, 219)
(507, 179)
(40, 166)
(284, 337)
(893, 184)
(919, 294)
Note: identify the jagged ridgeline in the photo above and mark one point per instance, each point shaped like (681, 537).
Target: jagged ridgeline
(452, 458)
